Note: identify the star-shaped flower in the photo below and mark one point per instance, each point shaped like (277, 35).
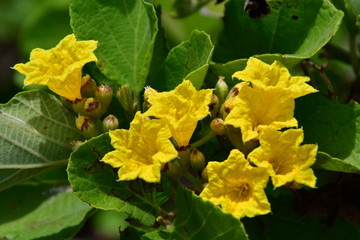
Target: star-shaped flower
(60, 67)
(237, 186)
(256, 107)
(181, 108)
(283, 157)
(141, 151)
(275, 75)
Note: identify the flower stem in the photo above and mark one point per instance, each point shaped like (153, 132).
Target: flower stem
(203, 140)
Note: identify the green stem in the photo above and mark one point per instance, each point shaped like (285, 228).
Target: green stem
(203, 140)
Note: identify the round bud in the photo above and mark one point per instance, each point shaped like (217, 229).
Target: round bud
(197, 160)
(110, 122)
(218, 127)
(92, 108)
(86, 126)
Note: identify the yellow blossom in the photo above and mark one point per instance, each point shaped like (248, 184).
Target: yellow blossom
(262, 74)
(60, 67)
(283, 157)
(256, 107)
(237, 186)
(141, 151)
(181, 108)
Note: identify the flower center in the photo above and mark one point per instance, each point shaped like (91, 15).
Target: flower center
(242, 189)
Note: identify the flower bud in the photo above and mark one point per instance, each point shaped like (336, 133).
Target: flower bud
(76, 144)
(110, 122)
(228, 106)
(218, 127)
(88, 87)
(221, 90)
(104, 95)
(197, 160)
(148, 91)
(92, 108)
(128, 101)
(86, 126)
(214, 105)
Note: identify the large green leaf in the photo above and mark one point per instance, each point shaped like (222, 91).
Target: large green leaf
(293, 27)
(35, 135)
(96, 183)
(126, 31)
(29, 212)
(333, 126)
(187, 57)
(199, 219)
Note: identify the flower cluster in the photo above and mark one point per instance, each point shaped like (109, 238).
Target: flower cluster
(256, 115)
(262, 114)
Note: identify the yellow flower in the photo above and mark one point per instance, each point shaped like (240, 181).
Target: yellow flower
(256, 107)
(237, 186)
(262, 74)
(181, 108)
(283, 157)
(60, 67)
(141, 151)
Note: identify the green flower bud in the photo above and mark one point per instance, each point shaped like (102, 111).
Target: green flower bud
(214, 106)
(88, 88)
(197, 160)
(128, 101)
(221, 90)
(92, 108)
(110, 122)
(86, 126)
(218, 127)
(104, 95)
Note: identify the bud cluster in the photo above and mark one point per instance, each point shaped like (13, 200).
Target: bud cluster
(91, 107)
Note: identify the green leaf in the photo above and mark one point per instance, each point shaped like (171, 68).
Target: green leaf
(35, 135)
(96, 183)
(126, 31)
(199, 219)
(157, 235)
(293, 28)
(333, 126)
(325, 161)
(183, 59)
(40, 212)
